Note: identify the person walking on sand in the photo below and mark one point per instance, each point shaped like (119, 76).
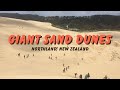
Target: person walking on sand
(64, 70)
(75, 75)
(68, 67)
(88, 75)
(49, 57)
(63, 65)
(27, 55)
(33, 54)
(80, 76)
(105, 77)
(24, 56)
(82, 58)
(18, 54)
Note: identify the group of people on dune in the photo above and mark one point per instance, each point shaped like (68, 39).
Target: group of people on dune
(50, 57)
(66, 68)
(25, 56)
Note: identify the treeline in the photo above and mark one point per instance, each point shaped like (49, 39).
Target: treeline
(84, 23)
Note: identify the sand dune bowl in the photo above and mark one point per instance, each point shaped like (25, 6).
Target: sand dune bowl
(18, 61)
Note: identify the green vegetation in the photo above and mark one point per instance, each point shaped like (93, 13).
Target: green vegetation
(85, 23)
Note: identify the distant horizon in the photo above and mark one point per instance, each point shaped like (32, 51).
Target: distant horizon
(66, 13)
(62, 16)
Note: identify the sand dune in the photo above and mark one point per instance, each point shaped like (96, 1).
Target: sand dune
(99, 60)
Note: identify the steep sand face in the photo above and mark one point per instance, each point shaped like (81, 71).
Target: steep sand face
(99, 60)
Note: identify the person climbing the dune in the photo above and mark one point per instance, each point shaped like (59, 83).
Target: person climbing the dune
(27, 55)
(88, 75)
(64, 70)
(80, 76)
(105, 77)
(68, 67)
(24, 56)
(75, 75)
(49, 57)
(18, 54)
(82, 58)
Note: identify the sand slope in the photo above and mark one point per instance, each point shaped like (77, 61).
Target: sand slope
(98, 61)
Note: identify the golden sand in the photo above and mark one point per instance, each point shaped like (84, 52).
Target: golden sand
(19, 61)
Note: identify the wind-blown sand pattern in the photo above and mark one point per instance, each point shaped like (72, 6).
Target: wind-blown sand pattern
(98, 61)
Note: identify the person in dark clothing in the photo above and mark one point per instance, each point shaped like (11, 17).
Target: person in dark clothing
(63, 65)
(80, 76)
(75, 75)
(68, 67)
(24, 56)
(64, 70)
(18, 54)
(88, 75)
